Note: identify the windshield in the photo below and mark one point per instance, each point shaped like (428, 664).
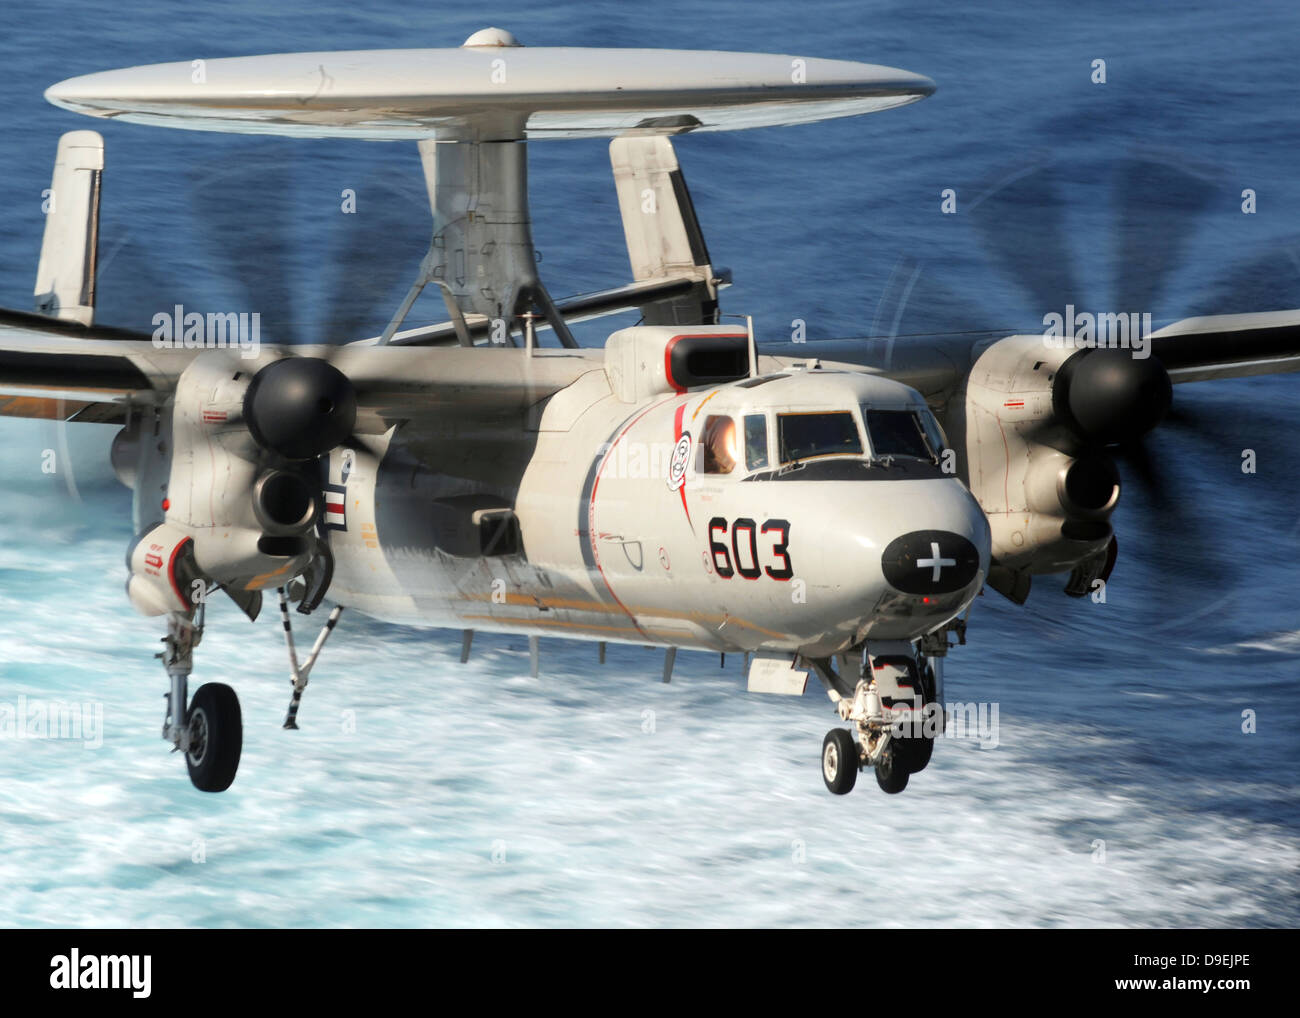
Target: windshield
(755, 441)
(899, 433)
(803, 436)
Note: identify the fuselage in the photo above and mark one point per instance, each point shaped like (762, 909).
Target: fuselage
(802, 511)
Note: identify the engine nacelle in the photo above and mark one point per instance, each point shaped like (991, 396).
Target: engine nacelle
(227, 479)
(1046, 490)
(249, 510)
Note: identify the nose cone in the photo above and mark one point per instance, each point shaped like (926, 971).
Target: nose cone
(930, 562)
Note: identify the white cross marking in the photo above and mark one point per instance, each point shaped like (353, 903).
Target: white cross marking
(935, 561)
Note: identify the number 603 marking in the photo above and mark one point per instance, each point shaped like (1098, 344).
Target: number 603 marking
(741, 554)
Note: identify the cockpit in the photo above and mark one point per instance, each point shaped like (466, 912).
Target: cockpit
(824, 426)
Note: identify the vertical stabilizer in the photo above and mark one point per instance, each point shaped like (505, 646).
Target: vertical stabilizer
(65, 279)
(664, 239)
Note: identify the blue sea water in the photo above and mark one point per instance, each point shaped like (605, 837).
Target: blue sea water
(1122, 791)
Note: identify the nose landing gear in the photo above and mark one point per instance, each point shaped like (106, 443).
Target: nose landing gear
(896, 713)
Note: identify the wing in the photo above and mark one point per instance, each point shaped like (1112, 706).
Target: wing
(58, 370)
(1192, 350)
(1229, 346)
(62, 371)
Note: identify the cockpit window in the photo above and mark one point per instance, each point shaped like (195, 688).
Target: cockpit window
(898, 433)
(755, 441)
(720, 444)
(803, 436)
(933, 433)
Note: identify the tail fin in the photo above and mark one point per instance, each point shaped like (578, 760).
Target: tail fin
(664, 239)
(65, 279)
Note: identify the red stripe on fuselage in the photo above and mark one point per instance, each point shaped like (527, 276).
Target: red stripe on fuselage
(677, 436)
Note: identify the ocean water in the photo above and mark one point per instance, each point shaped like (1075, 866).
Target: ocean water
(1122, 790)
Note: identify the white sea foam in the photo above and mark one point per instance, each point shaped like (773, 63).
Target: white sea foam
(477, 795)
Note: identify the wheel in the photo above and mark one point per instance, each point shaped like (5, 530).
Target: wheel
(930, 690)
(216, 737)
(914, 753)
(839, 761)
(891, 774)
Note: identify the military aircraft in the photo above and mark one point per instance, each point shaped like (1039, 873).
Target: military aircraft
(823, 510)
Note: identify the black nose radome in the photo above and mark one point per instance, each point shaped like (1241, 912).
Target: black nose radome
(930, 562)
(300, 407)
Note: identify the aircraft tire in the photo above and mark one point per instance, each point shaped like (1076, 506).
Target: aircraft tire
(914, 753)
(839, 761)
(217, 734)
(891, 772)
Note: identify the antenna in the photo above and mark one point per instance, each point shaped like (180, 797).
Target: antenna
(753, 347)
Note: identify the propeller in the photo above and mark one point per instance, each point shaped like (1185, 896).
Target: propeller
(265, 220)
(247, 233)
(322, 246)
(369, 223)
(1113, 404)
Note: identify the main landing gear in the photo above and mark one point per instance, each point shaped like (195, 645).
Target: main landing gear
(896, 710)
(209, 729)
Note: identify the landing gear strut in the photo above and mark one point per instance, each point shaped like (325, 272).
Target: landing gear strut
(299, 673)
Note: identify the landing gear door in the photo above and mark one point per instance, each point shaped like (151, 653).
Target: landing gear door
(897, 683)
(776, 673)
